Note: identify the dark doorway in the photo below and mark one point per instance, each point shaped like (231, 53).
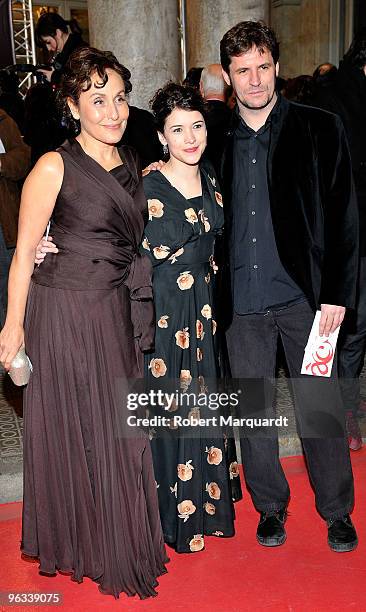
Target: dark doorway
(359, 15)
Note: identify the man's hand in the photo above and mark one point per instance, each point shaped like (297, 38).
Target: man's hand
(153, 166)
(331, 318)
(44, 247)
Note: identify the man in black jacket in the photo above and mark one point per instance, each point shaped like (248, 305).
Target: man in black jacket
(345, 95)
(292, 248)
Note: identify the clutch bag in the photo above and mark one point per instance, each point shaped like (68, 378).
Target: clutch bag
(20, 368)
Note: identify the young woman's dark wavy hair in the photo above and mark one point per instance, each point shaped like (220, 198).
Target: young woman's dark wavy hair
(76, 78)
(172, 96)
(48, 23)
(245, 35)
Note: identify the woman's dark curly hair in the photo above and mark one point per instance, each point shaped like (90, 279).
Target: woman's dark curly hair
(172, 96)
(76, 78)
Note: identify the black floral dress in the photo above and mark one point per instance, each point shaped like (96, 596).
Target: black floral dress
(195, 468)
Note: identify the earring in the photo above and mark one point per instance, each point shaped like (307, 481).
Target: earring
(165, 149)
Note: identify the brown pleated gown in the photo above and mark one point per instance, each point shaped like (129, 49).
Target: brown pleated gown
(90, 502)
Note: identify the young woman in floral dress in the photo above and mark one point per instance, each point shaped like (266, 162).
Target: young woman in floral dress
(195, 468)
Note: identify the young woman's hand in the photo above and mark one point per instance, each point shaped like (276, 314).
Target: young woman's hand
(44, 247)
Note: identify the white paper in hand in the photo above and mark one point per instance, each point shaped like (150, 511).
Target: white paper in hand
(319, 351)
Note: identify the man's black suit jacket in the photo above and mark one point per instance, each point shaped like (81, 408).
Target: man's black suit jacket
(313, 206)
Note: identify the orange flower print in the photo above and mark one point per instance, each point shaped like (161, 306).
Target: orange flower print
(163, 322)
(146, 244)
(202, 384)
(210, 508)
(199, 354)
(199, 330)
(204, 220)
(185, 379)
(161, 252)
(197, 543)
(155, 208)
(185, 509)
(157, 367)
(173, 258)
(185, 280)
(208, 278)
(214, 455)
(172, 424)
(194, 414)
(182, 338)
(174, 489)
(185, 470)
(218, 197)
(206, 311)
(214, 327)
(218, 533)
(191, 216)
(234, 470)
(213, 490)
(213, 265)
(171, 405)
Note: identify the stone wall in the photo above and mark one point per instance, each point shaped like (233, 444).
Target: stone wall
(208, 20)
(303, 28)
(144, 36)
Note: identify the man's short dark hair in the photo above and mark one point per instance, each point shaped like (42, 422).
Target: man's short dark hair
(243, 37)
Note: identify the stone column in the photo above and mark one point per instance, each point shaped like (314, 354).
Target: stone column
(208, 20)
(143, 35)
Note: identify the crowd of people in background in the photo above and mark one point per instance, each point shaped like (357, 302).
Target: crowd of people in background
(185, 194)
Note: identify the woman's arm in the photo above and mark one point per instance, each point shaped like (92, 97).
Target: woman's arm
(38, 200)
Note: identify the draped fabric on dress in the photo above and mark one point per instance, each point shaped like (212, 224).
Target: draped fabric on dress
(90, 504)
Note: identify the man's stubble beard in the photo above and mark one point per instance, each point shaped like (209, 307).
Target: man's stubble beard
(248, 106)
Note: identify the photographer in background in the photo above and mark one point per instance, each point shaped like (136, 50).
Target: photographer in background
(14, 166)
(43, 127)
(52, 33)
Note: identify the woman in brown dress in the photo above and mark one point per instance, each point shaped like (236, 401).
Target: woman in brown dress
(90, 503)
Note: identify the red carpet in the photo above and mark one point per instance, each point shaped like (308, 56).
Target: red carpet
(232, 575)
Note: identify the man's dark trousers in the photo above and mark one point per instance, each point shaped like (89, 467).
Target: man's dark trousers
(252, 346)
(352, 344)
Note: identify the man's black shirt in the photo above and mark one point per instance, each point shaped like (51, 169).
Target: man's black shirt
(260, 281)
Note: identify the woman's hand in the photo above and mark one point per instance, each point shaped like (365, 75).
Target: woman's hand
(11, 340)
(44, 247)
(153, 166)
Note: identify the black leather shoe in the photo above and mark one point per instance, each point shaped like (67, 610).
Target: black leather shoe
(342, 536)
(271, 530)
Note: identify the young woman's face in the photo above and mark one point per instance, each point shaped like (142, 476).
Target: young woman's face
(54, 44)
(185, 134)
(103, 111)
